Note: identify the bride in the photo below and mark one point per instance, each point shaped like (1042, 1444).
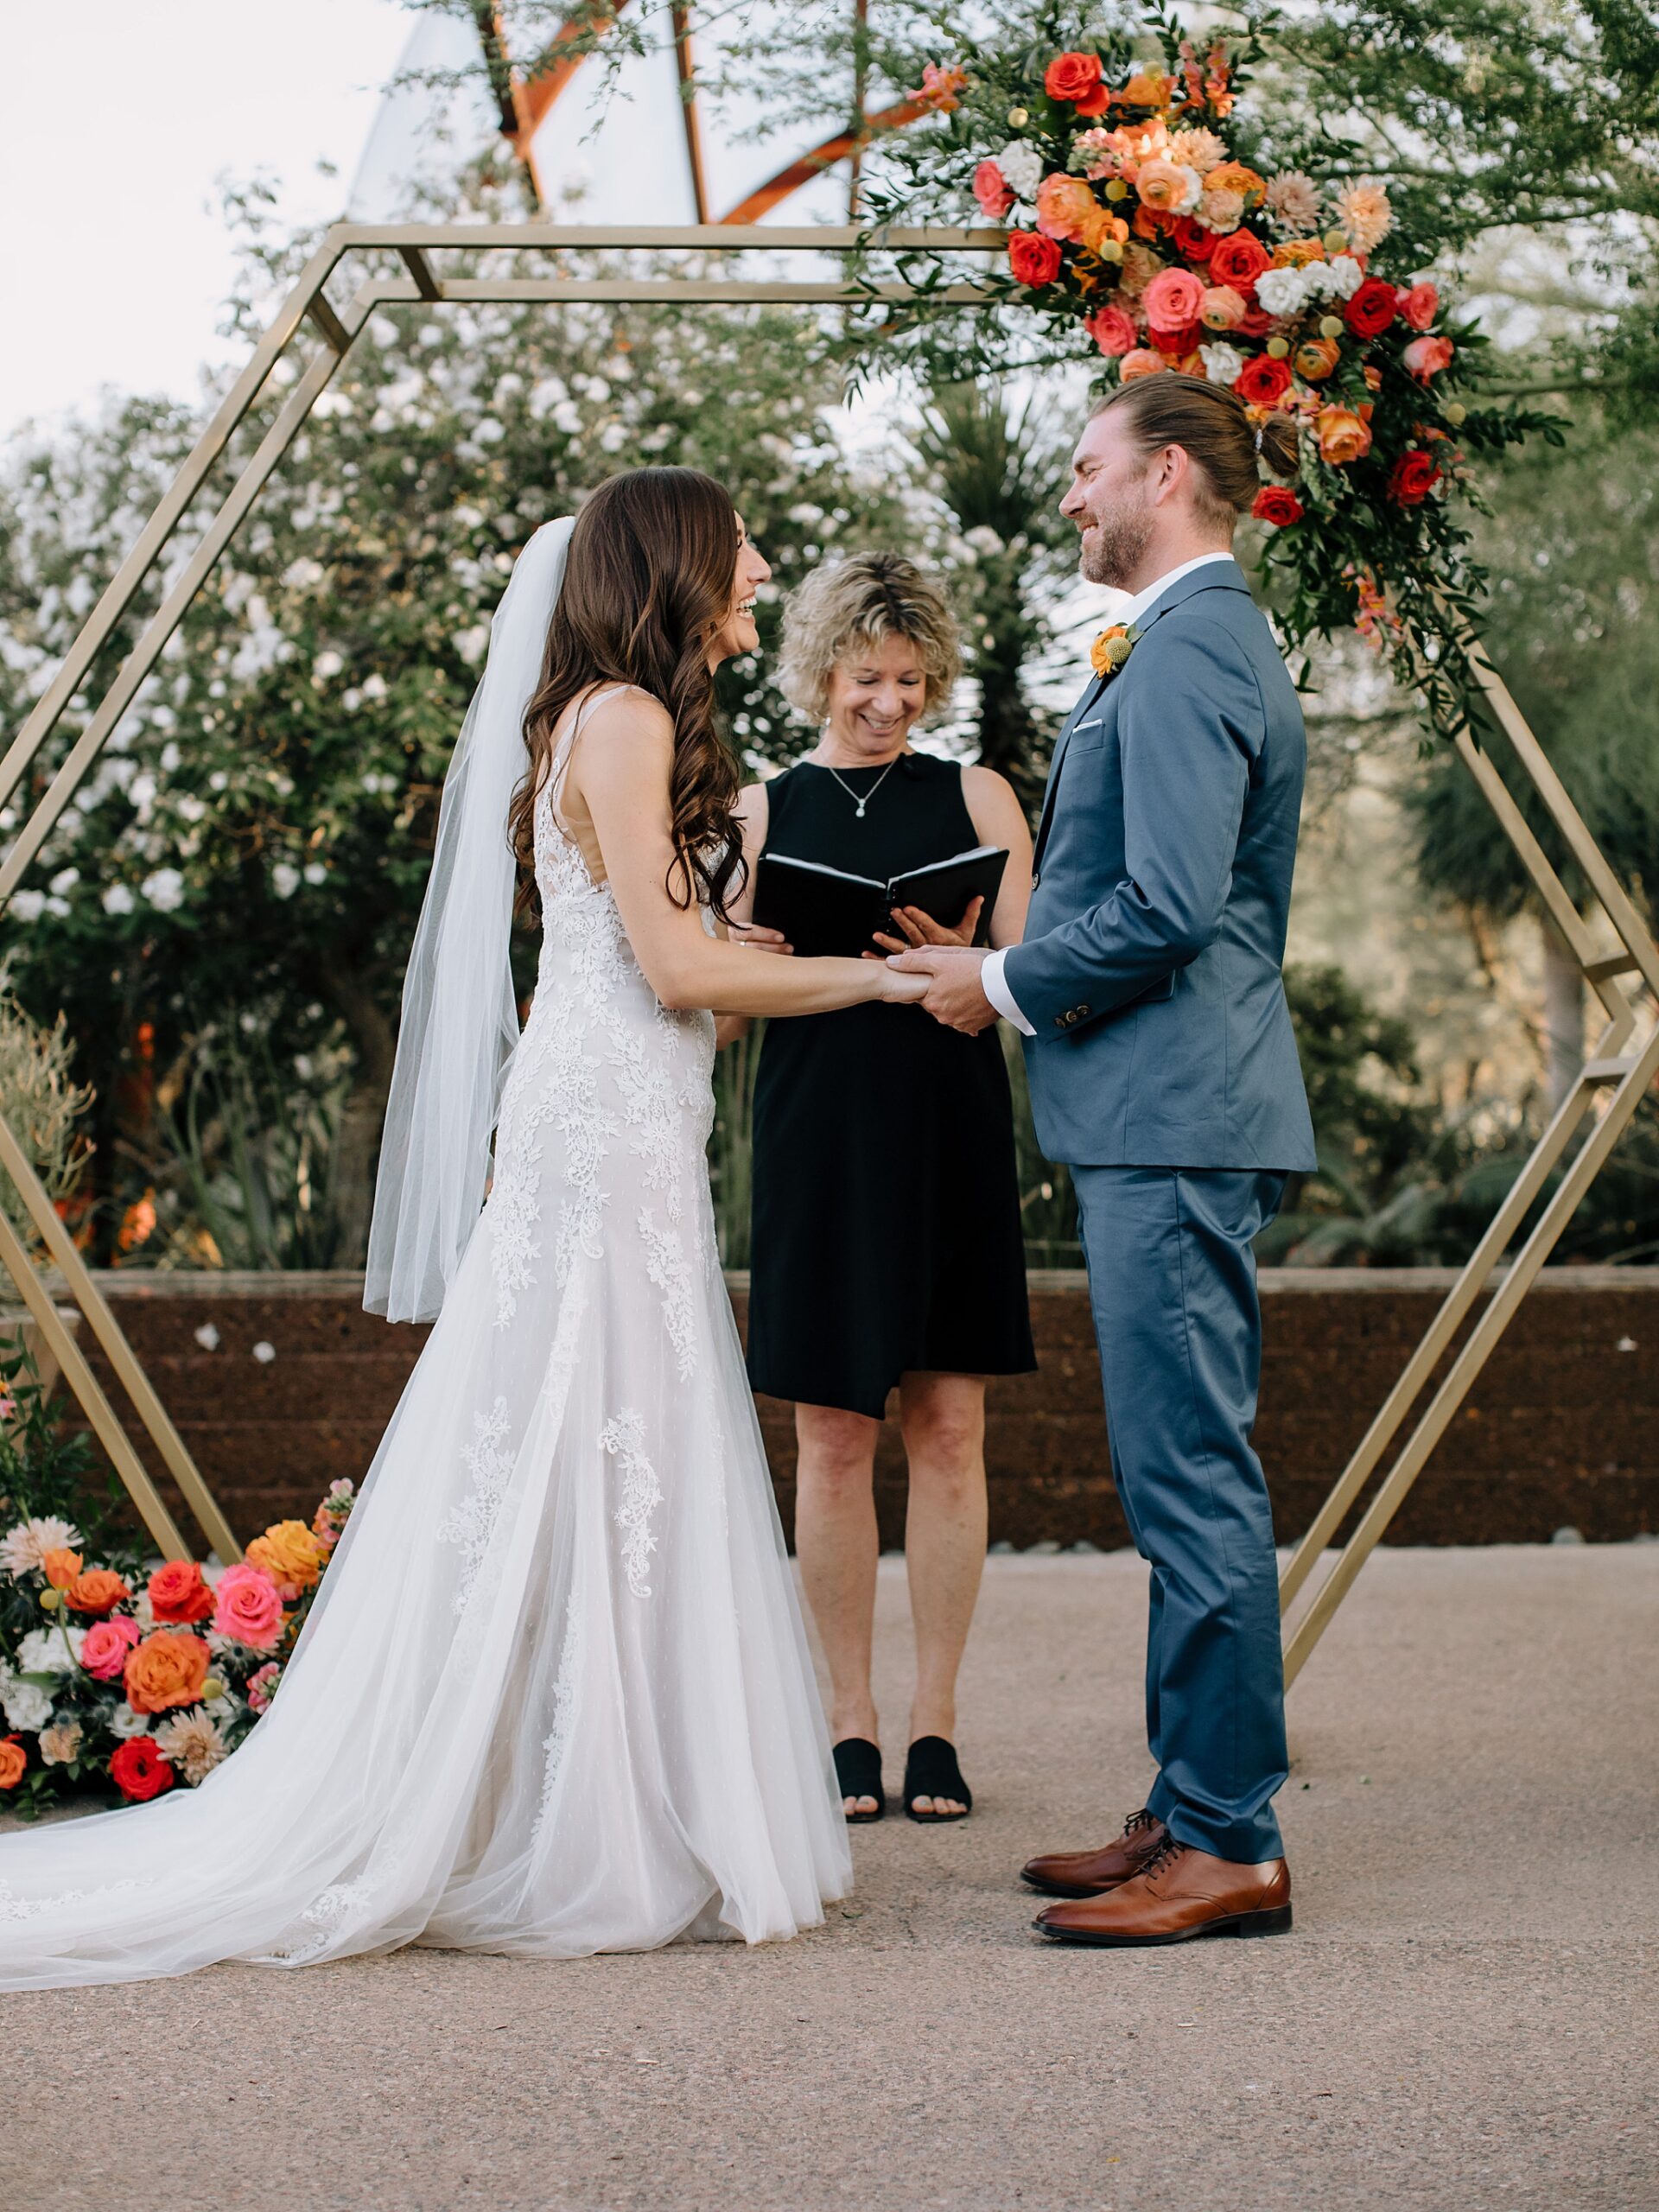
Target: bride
(554, 1697)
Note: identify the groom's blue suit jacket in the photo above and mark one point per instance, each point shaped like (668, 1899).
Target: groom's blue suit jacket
(1150, 969)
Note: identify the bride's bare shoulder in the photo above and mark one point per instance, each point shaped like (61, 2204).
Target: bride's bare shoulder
(624, 735)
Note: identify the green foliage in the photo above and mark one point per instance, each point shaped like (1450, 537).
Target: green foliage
(257, 837)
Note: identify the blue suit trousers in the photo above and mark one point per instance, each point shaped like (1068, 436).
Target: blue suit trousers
(1172, 1279)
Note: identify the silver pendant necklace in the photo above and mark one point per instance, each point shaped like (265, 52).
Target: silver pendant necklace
(860, 803)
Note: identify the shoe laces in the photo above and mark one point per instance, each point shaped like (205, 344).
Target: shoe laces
(1166, 1854)
(1144, 1819)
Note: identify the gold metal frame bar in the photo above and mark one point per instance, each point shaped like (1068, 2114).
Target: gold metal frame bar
(1622, 1075)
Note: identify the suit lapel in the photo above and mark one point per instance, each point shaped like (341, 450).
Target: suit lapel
(1214, 576)
(1093, 690)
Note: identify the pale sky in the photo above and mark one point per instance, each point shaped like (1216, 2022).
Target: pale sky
(116, 117)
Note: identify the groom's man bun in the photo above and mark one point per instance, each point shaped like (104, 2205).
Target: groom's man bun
(1215, 428)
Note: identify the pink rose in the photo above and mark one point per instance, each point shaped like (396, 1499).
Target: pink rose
(1419, 305)
(262, 1685)
(1173, 299)
(1427, 356)
(992, 191)
(1111, 330)
(248, 1607)
(104, 1653)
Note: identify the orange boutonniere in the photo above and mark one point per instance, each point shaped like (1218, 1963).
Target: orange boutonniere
(1111, 649)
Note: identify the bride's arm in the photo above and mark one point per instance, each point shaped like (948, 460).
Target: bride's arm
(619, 771)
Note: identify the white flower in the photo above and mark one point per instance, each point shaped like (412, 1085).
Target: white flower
(284, 880)
(489, 432)
(41, 1651)
(1222, 362)
(1022, 168)
(119, 899)
(326, 666)
(208, 1337)
(314, 872)
(1346, 276)
(1194, 192)
(1282, 291)
(302, 575)
(24, 1704)
(124, 1722)
(263, 1352)
(613, 437)
(374, 687)
(471, 644)
(141, 791)
(164, 889)
(28, 906)
(25, 1547)
(567, 416)
(983, 538)
(64, 879)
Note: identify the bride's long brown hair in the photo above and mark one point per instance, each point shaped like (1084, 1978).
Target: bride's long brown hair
(647, 584)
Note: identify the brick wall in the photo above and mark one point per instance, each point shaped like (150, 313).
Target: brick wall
(1560, 1430)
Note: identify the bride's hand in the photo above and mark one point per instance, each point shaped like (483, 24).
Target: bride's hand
(894, 990)
(759, 940)
(921, 928)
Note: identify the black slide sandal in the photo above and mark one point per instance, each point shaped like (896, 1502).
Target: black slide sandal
(858, 1770)
(932, 1771)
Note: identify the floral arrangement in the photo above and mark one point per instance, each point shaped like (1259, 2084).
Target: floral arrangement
(143, 1676)
(1148, 234)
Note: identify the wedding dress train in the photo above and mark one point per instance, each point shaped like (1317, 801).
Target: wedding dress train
(555, 1696)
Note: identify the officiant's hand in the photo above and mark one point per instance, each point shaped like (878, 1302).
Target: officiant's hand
(956, 995)
(920, 928)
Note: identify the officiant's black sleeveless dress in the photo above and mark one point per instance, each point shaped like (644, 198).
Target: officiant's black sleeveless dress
(886, 1231)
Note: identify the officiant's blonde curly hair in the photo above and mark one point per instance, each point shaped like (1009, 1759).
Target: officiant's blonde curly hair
(857, 602)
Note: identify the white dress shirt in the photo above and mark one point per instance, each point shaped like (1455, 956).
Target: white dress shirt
(990, 975)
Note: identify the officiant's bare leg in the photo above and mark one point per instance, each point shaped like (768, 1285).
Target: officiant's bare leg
(836, 1543)
(943, 1417)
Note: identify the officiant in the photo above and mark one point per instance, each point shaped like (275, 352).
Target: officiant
(887, 1253)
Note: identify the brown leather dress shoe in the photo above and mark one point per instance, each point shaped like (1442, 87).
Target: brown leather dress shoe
(1089, 1873)
(1178, 1894)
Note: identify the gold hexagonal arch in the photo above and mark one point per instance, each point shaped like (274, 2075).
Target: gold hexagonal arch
(1612, 946)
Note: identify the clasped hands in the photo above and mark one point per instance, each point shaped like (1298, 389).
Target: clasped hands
(949, 958)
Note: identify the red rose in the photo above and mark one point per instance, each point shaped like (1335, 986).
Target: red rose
(1262, 382)
(1072, 77)
(1191, 239)
(1238, 259)
(1412, 477)
(1255, 322)
(1034, 259)
(139, 1771)
(1277, 504)
(1180, 341)
(1372, 308)
(178, 1596)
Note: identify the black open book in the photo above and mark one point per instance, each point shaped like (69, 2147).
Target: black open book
(825, 910)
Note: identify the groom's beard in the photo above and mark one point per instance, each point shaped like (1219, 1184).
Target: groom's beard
(1116, 543)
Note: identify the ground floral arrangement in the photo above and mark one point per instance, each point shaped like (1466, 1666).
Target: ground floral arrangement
(115, 1670)
(1141, 236)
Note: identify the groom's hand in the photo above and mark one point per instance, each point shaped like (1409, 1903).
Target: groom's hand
(954, 994)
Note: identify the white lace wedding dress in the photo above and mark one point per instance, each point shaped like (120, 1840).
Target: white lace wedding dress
(555, 1696)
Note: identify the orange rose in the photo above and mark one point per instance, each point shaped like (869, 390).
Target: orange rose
(1143, 362)
(1317, 358)
(60, 1569)
(1066, 206)
(1146, 88)
(289, 1554)
(1343, 435)
(13, 1762)
(1233, 176)
(178, 1596)
(1163, 186)
(100, 1591)
(167, 1669)
(1296, 253)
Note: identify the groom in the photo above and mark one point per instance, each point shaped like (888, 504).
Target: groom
(1163, 1070)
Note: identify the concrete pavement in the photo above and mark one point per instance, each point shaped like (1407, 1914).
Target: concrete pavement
(1465, 2016)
